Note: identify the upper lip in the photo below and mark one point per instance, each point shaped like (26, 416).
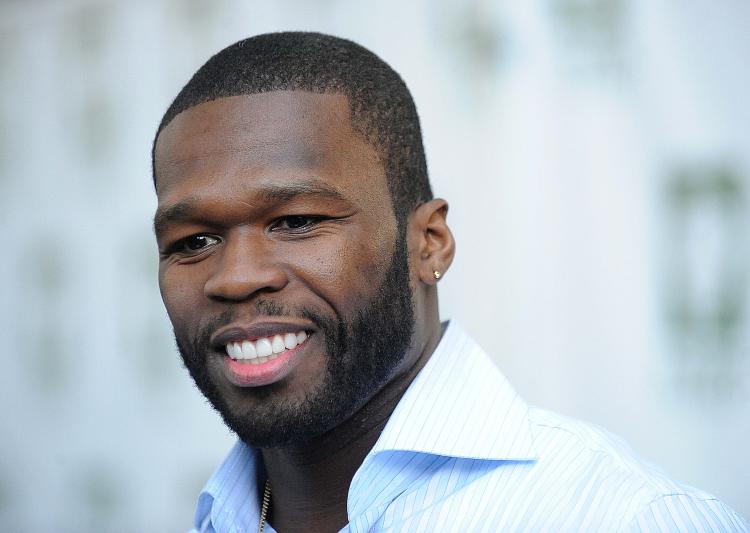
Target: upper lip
(257, 330)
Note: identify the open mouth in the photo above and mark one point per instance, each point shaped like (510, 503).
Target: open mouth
(264, 349)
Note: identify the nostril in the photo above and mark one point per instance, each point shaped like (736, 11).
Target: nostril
(242, 282)
(240, 289)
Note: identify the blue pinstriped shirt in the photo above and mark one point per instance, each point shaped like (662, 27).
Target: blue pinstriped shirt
(463, 453)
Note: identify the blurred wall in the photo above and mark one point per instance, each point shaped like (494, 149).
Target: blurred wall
(596, 157)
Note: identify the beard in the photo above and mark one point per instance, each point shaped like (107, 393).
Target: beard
(362, 354)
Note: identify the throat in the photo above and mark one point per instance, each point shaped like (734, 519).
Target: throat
(310, 484)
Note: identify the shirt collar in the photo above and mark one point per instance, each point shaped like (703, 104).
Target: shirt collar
(460, 405)
(229, 501)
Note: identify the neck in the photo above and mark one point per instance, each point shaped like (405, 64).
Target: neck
(310, 481)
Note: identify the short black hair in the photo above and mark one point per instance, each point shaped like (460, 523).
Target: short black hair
(381, 106)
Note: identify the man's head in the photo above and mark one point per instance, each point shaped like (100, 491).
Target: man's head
(296, 233)
(382, 109)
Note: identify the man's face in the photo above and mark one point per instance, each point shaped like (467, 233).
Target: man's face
(282, 267)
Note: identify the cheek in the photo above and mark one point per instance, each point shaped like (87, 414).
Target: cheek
(180, 294)
(344, 271)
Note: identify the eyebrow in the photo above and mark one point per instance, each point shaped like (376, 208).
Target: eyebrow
(185, 209)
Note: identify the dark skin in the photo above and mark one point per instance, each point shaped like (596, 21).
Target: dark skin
(278, 196)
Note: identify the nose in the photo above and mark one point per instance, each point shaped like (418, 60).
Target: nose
(245, 267)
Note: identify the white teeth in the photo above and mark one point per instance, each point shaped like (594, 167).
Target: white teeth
(248, 350)
(233, 350)
(263, 349)
(277, 345)
(290, 341)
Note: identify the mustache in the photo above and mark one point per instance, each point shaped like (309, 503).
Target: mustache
(335, 330)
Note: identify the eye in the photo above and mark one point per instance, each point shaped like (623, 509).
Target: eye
(296, 223)
(198, 242)
(193, 244)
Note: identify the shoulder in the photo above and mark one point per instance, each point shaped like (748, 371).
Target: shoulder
(686, 512)
(596, 471)
(591, 452)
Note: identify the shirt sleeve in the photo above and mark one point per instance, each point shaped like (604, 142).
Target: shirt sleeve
(682, 512)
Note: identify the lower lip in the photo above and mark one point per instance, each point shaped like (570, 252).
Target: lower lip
(244, 374)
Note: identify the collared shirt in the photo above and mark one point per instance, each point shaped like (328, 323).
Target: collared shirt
(463, 452)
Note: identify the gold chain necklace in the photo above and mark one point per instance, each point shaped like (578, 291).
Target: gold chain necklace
(265, 506)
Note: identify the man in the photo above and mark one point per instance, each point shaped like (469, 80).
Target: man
(300, 249)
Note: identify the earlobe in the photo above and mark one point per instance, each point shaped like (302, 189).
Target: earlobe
(436, 246)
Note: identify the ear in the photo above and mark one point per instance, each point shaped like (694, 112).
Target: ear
(432, 241)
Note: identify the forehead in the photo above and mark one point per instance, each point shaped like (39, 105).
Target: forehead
(242, 142)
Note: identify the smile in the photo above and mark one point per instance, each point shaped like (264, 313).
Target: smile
(264, 349)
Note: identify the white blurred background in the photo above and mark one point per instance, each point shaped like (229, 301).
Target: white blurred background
(596, 154)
